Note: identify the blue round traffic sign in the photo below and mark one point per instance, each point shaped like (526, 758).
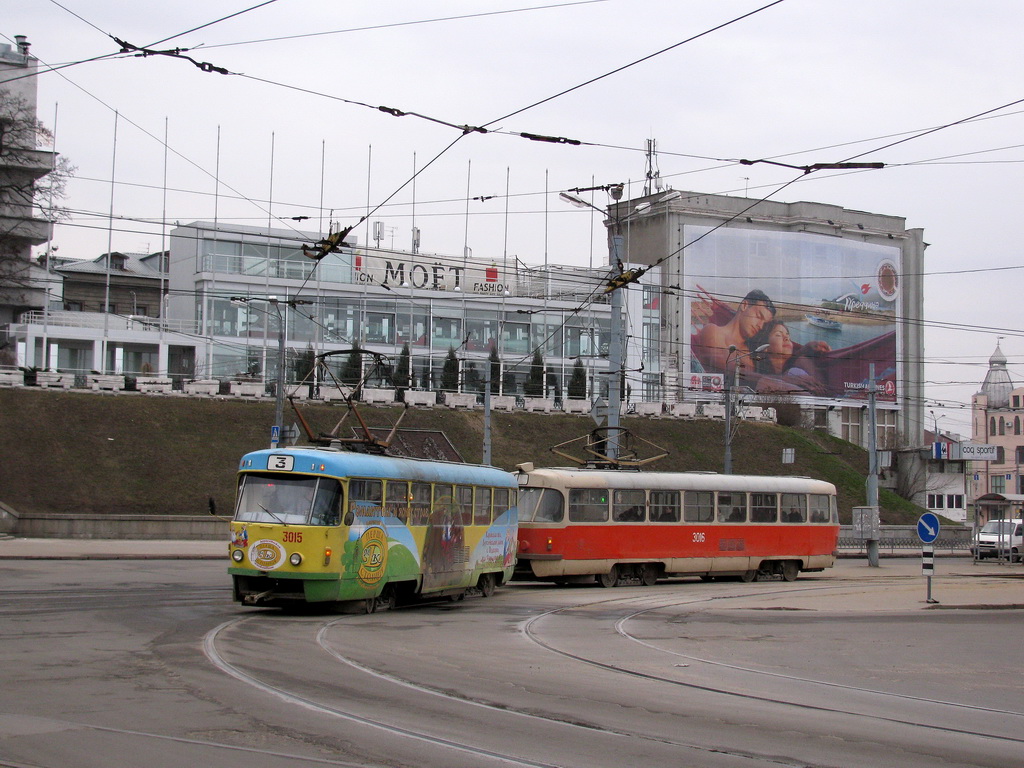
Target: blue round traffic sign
(928, 527)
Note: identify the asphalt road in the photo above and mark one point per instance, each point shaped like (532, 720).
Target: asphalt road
(148, 663)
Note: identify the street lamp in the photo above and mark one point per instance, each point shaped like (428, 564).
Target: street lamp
(730, 385)
(275, 434)
(620, 281)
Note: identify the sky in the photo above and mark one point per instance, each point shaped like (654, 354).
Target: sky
(294, 129)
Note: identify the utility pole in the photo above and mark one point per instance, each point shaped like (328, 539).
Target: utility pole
(872, 479)
(615, 364)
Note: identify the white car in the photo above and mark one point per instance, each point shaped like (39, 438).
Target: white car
(999, 538)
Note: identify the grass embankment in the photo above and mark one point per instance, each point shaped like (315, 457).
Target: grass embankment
(84, 452)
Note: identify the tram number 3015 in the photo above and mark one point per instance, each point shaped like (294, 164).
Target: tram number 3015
(292, 537)
(699, 537)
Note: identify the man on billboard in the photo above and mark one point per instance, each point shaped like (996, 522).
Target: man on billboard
(713, 342)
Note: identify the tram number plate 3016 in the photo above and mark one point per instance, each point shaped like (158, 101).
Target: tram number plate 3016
(280, 463)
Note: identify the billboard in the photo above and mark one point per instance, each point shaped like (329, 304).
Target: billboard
(791, 313)
(430, 272)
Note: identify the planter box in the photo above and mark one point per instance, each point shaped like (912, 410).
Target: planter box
(539, 404)
(100, 382)
(153, 384)
(53, 379)
(378, 395)
(247, 389)
(421, 398)
(201, 387)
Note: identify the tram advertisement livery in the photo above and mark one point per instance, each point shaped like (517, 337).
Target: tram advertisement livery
(326, 525)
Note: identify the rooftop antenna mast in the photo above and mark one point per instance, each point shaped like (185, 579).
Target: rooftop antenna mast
(652, 182)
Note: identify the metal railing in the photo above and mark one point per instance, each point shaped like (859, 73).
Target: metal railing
(954, 540)
(95, 320)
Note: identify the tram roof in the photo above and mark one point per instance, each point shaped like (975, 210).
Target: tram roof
(354, 464)
(698, 481)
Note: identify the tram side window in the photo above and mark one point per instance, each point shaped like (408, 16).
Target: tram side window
(820, 508)
(540, 505)
(664, 507)
(732, 507)
(420, 494)
(482, 507)
(397, 500)
(699, 506)
(326, 502)
(365, 496)
(794, 508)
(444, 504)
(764, 507)
(464, 495)
(629, 505)
(504, 500)
(588, 505)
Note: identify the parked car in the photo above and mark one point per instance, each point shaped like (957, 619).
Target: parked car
(999, 538)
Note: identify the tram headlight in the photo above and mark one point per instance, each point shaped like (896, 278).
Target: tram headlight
(237, 555)
(295, 559)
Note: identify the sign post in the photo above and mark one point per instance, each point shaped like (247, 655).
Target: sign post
(928, 531)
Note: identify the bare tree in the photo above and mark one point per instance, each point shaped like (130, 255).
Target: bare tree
(32, 181)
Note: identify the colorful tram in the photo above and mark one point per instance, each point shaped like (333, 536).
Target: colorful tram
(622, 527)
(322, 524)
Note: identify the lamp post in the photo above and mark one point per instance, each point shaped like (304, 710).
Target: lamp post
(275, 302)
(616, 285)
(730, 385)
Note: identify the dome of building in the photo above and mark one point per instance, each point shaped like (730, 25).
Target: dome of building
(997, 385)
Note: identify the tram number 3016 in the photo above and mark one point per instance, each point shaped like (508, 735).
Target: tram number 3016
(699, 537)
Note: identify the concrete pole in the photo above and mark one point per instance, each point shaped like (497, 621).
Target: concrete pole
(727, 463)
(279, 390)
(872, 479)
(487, 413)
(615, 355)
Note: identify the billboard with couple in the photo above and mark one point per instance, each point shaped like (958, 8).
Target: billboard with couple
(791, 313)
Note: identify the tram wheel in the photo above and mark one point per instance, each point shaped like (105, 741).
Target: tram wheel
(790, 570)
(748, 576)
(486, 584)
(649, 574)
(609, 579)
(388, 598)
(370, 605)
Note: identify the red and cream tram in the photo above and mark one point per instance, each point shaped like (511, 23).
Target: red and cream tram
(623, 526)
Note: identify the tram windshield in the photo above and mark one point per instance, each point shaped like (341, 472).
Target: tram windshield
(286, 500)
(540, 505)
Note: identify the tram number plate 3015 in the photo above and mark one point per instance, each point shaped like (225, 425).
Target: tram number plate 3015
(280, 463)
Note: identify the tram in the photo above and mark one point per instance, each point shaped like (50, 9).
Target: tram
(620, 526)
(322, 524)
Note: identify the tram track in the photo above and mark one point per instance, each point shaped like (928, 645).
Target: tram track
(528, 628)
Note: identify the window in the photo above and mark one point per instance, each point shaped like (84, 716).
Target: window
(699, 506)
(1016, 425)
(1000, 455)
(419, 503)
(820, 508)
(997, 483)
(885, 428)
(588, 505)
(794, 508)
(396, 500)
(851, 425)
(992, 425)
(664, 507)
(629, 506)
(504, 499)
(732, 507)
(365, 496)
(443, 503)
(540, 505)
(464, 496)
(764, 508)
(935, 500)
(482, 507)
(955, 500)
(281, 500)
